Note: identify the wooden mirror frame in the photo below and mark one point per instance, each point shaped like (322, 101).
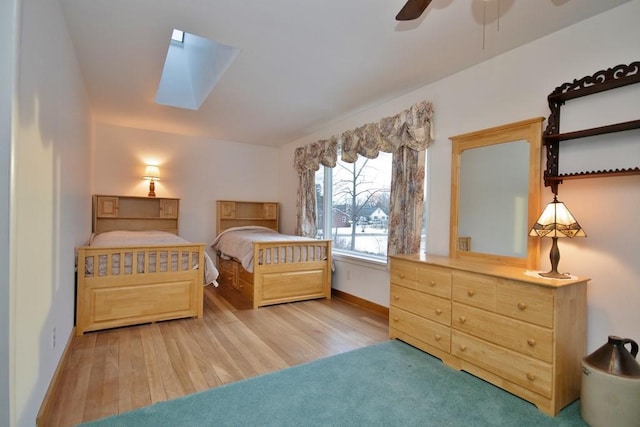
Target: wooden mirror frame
(527, 130)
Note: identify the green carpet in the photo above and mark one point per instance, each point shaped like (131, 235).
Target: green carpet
(388, 384)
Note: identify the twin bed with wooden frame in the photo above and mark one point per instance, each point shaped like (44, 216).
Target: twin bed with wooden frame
(122, 284)
(293, 269)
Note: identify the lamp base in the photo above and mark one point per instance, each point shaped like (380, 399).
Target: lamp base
(555, 275)
(554, 257)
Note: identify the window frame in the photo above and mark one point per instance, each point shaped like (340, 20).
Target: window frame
(378, 261)
(327, 224)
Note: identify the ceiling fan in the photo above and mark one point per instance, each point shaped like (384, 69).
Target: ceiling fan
(412, 10)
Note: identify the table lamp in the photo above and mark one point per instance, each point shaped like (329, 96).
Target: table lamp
(152, 173)
(556, 221)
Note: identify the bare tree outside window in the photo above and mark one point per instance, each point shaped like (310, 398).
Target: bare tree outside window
(359, 194)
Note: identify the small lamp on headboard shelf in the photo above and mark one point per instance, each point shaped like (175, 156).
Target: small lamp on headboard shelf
(556, 221)
(152, 173)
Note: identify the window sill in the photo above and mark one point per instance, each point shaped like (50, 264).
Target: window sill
(362, 261)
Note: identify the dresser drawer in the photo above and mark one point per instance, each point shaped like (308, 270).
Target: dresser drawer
(526, 302)
(434, 280)
(475, 289)
(424, 305)
(418, 327)
(525, 371)
(522, 337)
(403, 273)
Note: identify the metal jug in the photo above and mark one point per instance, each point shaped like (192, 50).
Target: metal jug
(610, 393)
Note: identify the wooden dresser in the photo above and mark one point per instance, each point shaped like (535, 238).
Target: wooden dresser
(524, 334)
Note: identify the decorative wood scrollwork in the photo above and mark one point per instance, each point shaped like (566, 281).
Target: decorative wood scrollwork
(611, 78)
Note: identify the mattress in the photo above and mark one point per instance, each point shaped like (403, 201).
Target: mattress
(237, 243)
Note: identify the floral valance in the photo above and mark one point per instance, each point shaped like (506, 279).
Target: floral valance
(411, 128)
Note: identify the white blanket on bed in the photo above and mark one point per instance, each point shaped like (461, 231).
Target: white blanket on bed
(237, 242)
(123, 238)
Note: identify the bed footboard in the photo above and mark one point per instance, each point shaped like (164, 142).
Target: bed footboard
(289, 271)
(132, 285)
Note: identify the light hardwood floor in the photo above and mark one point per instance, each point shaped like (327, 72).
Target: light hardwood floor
(110, 372)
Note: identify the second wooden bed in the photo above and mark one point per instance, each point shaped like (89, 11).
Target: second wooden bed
(275, 278)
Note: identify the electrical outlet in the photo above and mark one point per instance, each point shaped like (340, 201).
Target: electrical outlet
(53, 338)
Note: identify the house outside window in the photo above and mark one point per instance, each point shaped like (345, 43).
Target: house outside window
(372, 190)
(357, 195)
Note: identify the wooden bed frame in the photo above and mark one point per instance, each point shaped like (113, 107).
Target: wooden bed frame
(108, 297)
(277, 282)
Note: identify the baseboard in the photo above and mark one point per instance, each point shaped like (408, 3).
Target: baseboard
(363, 303)
(45, 412)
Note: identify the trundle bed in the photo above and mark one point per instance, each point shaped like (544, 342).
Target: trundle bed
(274, 268)
(136, 268)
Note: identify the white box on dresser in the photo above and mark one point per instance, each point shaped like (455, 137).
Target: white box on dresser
(522, 333)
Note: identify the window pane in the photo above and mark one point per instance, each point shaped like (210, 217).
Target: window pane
(359, 204)
(425, 211)
(370, 181)
(320, 221)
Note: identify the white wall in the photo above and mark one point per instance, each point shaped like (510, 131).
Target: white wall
(8, 51)
(508, 88)
(49, 214)
(197, 170)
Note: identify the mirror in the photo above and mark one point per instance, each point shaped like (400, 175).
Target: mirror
(495, 194)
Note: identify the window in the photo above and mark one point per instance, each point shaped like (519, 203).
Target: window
(353, 205)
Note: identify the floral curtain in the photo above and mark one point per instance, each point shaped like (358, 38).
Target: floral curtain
(407, 197)
(406, 135)
(307, 161)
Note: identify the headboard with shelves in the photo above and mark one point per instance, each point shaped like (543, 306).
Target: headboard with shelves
(231, 213)
(134, 213)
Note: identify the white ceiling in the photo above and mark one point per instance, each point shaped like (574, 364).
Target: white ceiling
(302, 63)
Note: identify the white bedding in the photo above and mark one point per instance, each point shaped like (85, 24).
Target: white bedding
(237, 243)
(139, 238)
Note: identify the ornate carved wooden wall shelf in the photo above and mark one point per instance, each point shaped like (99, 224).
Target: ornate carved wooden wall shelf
(619, 76)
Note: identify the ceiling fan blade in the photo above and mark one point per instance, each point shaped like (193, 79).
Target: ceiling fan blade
(412, 10)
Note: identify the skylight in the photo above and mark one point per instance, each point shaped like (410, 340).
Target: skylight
(192, 68)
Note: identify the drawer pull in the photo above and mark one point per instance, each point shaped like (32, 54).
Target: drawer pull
(395, 319)
(531, 342)
(462, 319)
(438, 311)
(401, 275)
(432, 283)
(471, 292)
(463, 347)
(396, 297)
(438, 337)
(531, 377)
(522, 306)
